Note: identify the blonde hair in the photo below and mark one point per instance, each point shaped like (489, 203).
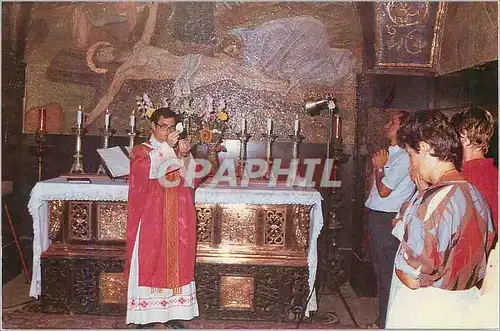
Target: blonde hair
(477, 124)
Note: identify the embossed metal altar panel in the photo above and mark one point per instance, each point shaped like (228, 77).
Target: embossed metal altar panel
(236, 292)
(274, 225)
(80, 220)
(112, 288)
(56, 217)
(205, 221)
(238, 224)
(112, 221)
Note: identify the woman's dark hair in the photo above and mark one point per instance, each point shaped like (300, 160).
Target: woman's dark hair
(165, 112)
(403, 117)
(434, 128)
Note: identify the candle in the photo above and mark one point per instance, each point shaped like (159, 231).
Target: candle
(106, 119)
(269, 126)
(296, 125)
(132, 121)
(42, 119)
(79, 116)
(337, 126)
(243, 125)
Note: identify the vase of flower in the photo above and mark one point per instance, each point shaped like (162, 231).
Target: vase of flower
(212, 124)
(213, 157)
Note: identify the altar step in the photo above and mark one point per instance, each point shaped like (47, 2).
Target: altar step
(365, 309)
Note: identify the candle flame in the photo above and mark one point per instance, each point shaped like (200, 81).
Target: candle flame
(80, 107)
(107, 110)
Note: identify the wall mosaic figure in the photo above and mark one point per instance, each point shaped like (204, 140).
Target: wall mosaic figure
(189, 72)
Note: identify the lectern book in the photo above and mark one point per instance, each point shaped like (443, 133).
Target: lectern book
(115, 161)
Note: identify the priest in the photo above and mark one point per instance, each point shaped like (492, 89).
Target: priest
(161, 229)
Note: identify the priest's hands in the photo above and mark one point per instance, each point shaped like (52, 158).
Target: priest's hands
(184, 147)
(173, 138)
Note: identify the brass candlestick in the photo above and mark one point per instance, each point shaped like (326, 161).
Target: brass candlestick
(270, 137)
(296, 139)
(40, 140)
(77, 166)
(131, 134)
(107, 132)
(294, 162)
(244, 138)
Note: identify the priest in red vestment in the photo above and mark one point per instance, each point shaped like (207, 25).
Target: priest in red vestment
(161, 229)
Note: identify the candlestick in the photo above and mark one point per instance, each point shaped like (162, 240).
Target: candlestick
(79, 117)
(269, 155)
(106, 119)
(296, 139)
(244, 138)
(42, 119)
(77, 166)
(131, 134)
(107, 132)
(40, 140)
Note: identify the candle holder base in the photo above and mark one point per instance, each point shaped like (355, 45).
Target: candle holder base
(107, 133)
(100, 170)
(77, 167)
(131, 134)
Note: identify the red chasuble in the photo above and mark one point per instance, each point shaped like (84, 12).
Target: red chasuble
(167, 240)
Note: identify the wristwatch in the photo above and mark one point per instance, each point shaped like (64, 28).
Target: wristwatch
(380, 170)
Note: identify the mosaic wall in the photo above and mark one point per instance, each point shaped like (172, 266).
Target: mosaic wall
(475, 42)
(262, 59)
(408, 34)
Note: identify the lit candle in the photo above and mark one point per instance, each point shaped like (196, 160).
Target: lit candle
(106, 119)
(269, 126)
(296, 125)
(337, 126)
(243, 125)
(42, 119)
(79, 116)
(132, 121)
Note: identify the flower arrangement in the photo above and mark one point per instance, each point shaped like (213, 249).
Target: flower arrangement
(212, 123)
(145, 106)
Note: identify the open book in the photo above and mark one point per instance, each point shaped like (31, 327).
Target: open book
(115, 160)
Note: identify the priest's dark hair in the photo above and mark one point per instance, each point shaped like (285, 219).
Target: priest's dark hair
(166, 112)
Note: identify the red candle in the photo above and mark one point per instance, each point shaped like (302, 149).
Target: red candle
(337, 126)
(42, 119)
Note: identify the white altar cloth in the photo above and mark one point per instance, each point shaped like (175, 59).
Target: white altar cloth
(105, 189)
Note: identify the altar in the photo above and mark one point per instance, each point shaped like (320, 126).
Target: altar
(256, 248)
